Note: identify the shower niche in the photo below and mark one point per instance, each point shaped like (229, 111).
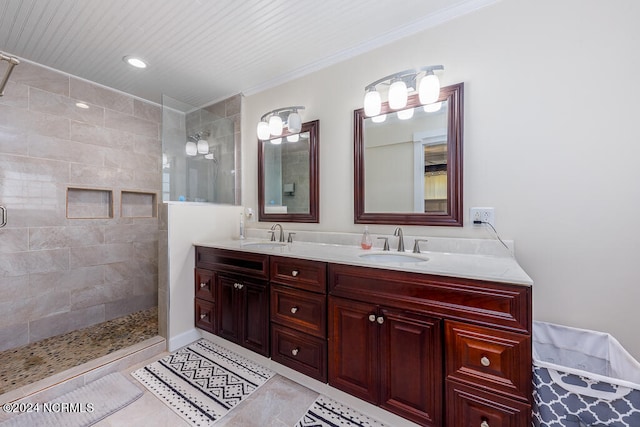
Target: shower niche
(200, 152)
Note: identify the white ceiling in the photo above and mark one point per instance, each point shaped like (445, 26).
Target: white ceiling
(203, 51)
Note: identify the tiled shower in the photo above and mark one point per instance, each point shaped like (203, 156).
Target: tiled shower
(81, 187)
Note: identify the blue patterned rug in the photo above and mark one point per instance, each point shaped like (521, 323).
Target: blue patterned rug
(325, 412)
(203, 381)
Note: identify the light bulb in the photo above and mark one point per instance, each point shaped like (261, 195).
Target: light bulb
(263, 131)
(191, 148)
(405, 114)
(294, 122)
(275, 125)
(379, 119)
(372, 103)
(398, 95)
(203, 146)
(293, 138)
(432, 108)
(429, 89)
(276, 141)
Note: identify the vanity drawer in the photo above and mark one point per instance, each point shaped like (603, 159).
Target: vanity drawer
(247, 263)
(204, 315)
(490, 358)
(299, 351)
(301, 310)
(467, 406)
(204, 283)
(299, 273)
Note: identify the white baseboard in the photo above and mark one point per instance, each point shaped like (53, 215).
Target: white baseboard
(183, 339)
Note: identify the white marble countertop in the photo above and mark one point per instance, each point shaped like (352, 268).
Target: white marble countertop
(495, 268)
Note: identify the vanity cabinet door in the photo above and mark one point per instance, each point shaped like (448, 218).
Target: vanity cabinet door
(242, 314)
(411, 365)
(353, 348)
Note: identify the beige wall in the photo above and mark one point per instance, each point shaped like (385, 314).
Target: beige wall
(550, 141)
(59, 274)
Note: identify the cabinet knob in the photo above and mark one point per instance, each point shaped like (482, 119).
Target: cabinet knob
(380, 320)
(294, 273)
(238, 285)
(485, 362)
(295, 351)
(202, 285)
(294, 310)
(372, 318)
(203, 315)
(484, 424)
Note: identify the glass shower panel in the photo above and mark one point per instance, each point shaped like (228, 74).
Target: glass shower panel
(198, 155)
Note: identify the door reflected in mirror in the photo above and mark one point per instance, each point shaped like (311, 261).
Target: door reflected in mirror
(408, 163)
(288, 176)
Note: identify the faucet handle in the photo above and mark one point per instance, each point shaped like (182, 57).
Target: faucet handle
(416, 245)
(290, 237)
(386, 243)
(273, 235)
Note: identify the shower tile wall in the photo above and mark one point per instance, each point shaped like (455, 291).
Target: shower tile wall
(59, 274)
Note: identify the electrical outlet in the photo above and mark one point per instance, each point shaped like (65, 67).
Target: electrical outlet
(483, 214)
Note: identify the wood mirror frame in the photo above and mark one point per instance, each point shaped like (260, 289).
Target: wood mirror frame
(314, 180)
(453, 216)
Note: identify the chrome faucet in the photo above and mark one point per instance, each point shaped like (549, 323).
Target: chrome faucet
(273, 234)
(398, 233)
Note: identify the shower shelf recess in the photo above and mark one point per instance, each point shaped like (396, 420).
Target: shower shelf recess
(89, 203)
(138, 204)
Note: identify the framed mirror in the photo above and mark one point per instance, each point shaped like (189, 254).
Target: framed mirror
(288, 181)
(408, 163)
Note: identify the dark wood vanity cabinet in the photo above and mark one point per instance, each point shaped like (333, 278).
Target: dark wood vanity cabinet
(299, 315)
(239, 300)
(435, 350)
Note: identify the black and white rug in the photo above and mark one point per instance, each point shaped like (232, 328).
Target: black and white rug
(325, 412)
(203, 381)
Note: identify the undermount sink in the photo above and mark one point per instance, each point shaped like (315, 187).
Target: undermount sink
(264, 245)
(392, 257)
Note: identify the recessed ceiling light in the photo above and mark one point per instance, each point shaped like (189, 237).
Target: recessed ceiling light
(82, 105)
(135, 61)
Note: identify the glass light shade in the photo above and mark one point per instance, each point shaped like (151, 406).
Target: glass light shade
(293, 138)
(379, 119)
(275, 125)
(203, 146)
(405, 114)
(263, 130)
(429, 89)
(432, 108)
(276, 141)
(398, 95)
(191, 148)
(294, 122)
(372, 103)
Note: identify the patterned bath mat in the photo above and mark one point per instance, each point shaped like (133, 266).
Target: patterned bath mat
(325, 412)
(202, 381)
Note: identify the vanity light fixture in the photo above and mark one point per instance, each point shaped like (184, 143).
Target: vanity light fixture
(197, 144)
(274, 122)
(400, 85)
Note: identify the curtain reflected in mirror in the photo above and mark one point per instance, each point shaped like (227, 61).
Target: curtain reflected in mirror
(287, 176)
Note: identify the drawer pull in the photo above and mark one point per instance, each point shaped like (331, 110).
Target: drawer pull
(485, 362)
(294, 310)
(203, 315)
(202, 285)
(372, 318)
(294, 273)
(484, 424)
(380, 320)
(238, 285)
(295, 351)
